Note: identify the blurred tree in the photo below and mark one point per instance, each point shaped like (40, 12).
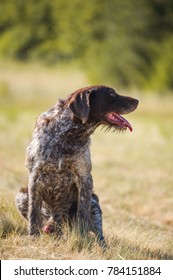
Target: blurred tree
(126, 43)
(161, 28)
(122, 54)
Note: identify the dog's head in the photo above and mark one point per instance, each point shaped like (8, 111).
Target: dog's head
(101, 105)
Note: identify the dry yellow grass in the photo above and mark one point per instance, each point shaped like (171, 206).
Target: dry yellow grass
(132, 172)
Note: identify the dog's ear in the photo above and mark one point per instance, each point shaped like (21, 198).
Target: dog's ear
(79, 105)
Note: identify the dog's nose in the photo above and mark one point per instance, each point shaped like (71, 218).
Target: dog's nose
(136, 102)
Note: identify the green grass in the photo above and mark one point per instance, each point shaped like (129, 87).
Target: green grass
(132, 172)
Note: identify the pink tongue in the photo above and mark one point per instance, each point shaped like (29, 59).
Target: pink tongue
(119, 120)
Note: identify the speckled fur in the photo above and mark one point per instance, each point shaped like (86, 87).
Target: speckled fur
(60, 186)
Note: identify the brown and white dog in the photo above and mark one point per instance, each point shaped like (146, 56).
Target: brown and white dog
(60, 186)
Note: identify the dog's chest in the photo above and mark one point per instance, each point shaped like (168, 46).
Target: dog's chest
(61, 182)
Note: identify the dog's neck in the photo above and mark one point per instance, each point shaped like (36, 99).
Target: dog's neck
(75, 127)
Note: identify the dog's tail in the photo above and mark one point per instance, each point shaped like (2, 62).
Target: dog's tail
(22, 202)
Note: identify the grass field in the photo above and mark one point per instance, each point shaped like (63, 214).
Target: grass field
(132, 172)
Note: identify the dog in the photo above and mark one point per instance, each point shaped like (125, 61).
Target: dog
(60, 187)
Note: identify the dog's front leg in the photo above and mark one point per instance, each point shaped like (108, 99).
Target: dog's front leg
(35, 204)
(96, 221)
(84, 204)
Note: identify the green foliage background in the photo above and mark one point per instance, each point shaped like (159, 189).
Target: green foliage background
(126, 43)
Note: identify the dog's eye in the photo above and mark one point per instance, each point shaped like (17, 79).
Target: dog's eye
(112, 95)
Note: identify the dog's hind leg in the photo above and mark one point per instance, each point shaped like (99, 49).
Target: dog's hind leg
(22, 202)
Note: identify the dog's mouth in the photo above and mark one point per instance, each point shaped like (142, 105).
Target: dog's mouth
(118, 120)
